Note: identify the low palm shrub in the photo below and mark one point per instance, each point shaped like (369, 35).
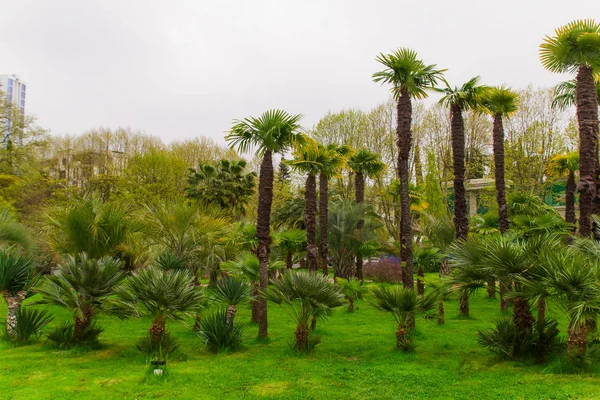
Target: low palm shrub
(219, 334)
(158, 350)
(352, 289)
(64, 336)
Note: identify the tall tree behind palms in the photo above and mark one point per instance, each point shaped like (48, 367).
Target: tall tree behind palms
(575, 47)
(308, 158)
(567, 164)
(410, 78)
(275, 131)
(331, 166)
(460, 99)
(364, 164)
(500, 102)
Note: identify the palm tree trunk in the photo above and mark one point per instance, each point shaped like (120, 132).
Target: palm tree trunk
(302, 337)
(157, 330)
(541, 311)
(441, 314)
(13, 303)
(82, 324)
(461, 222)
(571, 187)
(420, 283)
(230, 315)
(491, 288)
(445, 267)
(359, 196)
(577, 339)
(289, 260)
(313, 323)
(503, 300)
(350, 304)
(522, 315)
(310, 220)
(324, 222)
(587, 118)
(263, 227)
(403, 141)
(401, 337)
(498, 139)
(464, 304)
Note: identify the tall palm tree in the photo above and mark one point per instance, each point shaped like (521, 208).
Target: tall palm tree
(331, 166)
(164, 295)
(308, 158)
(16, 271)
(84, 286)
(273, 132)
(575, 47)
(567, 164)
(500, 102)
(305, 296)
(460, 99)
(364, 164)
(410, 78)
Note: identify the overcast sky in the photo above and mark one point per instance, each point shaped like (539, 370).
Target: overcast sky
(179, 69)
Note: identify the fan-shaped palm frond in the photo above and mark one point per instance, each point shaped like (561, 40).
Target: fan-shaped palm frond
(574, 44)
(466, 97)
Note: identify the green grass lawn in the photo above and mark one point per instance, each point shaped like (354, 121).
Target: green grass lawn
(356, 360)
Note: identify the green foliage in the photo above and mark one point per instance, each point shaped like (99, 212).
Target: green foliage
(219, 335)
(433, 194)
(224, 184)
(13, 233)
(290, 215)
(230, 291)
(159, 350)
(247, 266)
(467, 97)
(574, 44)
(366, 163)
(16, 270)
(352, 288)
(427, 258)
(30, 323)
(64, 338)
(500, 100)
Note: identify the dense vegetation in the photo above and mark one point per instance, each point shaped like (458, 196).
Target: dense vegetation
(179, 241)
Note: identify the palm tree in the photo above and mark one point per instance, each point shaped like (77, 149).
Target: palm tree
(98, 229)
(273, 132)
(16, 271)
(363, 164)
(410, 78)
(402, 303)
(247, 266)
(308, 158)
(575, 47)
(85, 287)
(500, 102)
(467, 97)
(231, 291)
(352, 289)
(331, 165)
(290, 242)
(164, 295)
(305, 296)
(567, 164)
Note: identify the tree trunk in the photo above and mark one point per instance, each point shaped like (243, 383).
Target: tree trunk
(212, 278)
(310, 220)
(461, 221)
(464, 304)
(503, 300)
(289, 260)
(420, 283)
(441, 314)
(402, 337)
(313, 323)
(13, 303)
(577, 339)
(82, 324)
(571, 187)
(587, 118)
(324, 222)
(230, 315)
(541, 311)
(403, 141)
(254, 295)
(418, 165)
(302, 337)
(498, 139)
(359, 196)
(522, 316)
(263, 227)
(445, 267)
(350, 304)
(491, 288)
(157, 330)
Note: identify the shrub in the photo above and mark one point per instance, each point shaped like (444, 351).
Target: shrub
(161, 350)
(387, 269)
(30, 323)
(63, 335)
(219, 335)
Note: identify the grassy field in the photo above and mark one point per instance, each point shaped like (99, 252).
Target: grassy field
(356, 360)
